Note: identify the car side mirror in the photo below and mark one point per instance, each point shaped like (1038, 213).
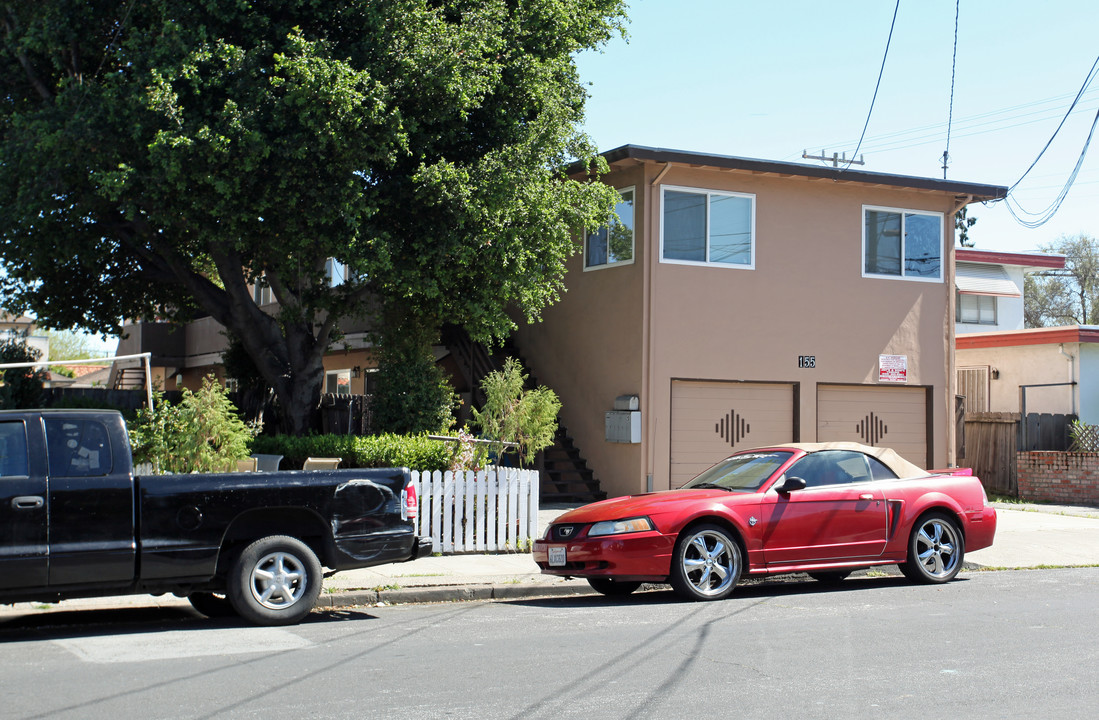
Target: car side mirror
(791, 484)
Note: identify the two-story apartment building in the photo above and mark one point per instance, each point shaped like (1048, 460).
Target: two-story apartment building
(742, 302)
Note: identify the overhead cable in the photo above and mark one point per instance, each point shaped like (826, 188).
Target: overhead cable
(1030, 219)
(881, 72)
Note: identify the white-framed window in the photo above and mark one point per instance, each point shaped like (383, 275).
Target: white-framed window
(338, 382)
(707, 227)
(975, 309)
(336, 272)
(900, 243)
(261, 292)
(612, 244)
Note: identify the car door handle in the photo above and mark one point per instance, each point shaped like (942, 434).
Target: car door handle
(27, 502)
(866, 496)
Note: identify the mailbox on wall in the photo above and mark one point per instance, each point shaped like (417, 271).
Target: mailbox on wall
(623, 424)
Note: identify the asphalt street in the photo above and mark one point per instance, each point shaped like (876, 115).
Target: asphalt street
(1009, 644)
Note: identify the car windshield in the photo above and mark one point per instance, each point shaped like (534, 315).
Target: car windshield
(743, 473)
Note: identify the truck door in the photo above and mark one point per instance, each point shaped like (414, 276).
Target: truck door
(24, 558)
(91, 503)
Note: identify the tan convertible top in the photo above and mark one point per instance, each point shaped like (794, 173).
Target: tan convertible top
(888, 456)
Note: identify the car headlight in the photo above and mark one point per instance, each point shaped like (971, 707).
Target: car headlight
(618, 527)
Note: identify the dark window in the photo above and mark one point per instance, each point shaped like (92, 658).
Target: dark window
(13, 449)
(78, 448)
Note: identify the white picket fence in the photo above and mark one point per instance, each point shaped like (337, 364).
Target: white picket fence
(486, 511)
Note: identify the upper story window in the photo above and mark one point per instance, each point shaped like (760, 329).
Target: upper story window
(707, 227)
(336, 272)
(612, 244)
(261, 292)
(902, 243)
(975, 309)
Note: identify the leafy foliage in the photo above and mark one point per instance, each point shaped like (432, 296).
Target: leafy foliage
(412, 393)
(1069, 296)
(511, 414)
(1085, 438)
(20, 387)
(962, 223)
(373, 451)
(159, 157)
(200, 434)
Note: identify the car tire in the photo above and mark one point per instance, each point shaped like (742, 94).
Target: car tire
(706, 563)
(936, 550)
(611, 587)
(275, 581)
(212, 605)
(830, 577)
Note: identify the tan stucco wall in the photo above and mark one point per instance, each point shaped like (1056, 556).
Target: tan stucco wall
(588, 349)
(806, 296)
(1028, 365)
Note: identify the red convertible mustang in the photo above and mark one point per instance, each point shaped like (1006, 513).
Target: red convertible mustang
(821, 508)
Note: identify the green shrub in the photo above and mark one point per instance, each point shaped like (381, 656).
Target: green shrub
(201, 434)
(20, 388)
(527, 418)
(412, 451)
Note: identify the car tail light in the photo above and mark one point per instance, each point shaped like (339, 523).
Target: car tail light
(410, 505)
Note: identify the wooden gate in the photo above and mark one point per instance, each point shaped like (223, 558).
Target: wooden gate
(990, 449)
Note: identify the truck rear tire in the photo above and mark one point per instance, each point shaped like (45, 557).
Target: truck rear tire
(275, 581)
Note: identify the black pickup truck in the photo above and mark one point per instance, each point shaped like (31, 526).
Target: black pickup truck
(76, 522)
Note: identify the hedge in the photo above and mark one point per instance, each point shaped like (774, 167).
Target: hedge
(412, 451)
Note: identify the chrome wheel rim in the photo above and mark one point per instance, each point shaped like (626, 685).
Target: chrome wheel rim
(278, 580)
(709, 562)
(936, 548)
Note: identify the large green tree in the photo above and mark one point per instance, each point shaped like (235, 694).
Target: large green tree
(159, 156)
(1068, 296)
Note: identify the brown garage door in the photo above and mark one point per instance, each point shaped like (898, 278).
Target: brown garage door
(894, 417)
(711, 420)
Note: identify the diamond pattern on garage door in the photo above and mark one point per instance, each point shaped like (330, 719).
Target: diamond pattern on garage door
(711, 420)
(893, 417)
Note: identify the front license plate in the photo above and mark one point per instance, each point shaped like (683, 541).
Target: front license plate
(556, 556)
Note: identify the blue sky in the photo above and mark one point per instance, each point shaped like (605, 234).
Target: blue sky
(771, 79)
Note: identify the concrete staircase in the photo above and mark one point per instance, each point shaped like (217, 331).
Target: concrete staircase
(565, 473)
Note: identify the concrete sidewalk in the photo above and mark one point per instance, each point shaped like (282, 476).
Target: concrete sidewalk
(1027, 536)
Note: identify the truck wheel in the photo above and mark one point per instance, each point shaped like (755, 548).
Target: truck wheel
(212, 605)
(275, 581)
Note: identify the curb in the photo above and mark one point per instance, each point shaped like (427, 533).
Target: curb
(450, 593)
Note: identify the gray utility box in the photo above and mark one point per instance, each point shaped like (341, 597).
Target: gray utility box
(623, 424)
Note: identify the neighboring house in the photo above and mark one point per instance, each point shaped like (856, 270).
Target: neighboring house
(183, 354)
(990, 287)
(24, 327)
(743, 302)
(1051, 370)
(1002, 367)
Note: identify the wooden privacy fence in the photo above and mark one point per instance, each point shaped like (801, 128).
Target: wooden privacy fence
(990, 450)
(486, 511)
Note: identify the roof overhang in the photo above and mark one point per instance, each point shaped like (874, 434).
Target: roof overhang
(1034, 336)
(966, 192)
(1036, 261)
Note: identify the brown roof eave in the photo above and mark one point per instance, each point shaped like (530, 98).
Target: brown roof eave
(979, 192)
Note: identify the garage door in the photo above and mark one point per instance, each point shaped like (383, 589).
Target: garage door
(711, 420)
(894, 417)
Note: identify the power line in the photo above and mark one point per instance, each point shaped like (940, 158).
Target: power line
(900, 139)
(881, 72)
(1087, 81)
(1037, 219)
(953, 69)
